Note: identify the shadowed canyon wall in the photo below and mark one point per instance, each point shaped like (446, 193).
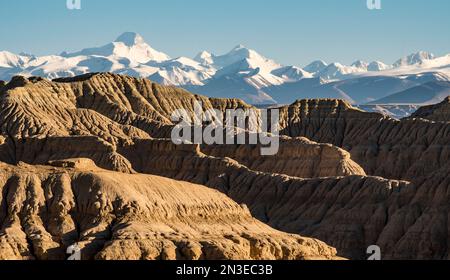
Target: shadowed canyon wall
(405, 149)
(326, 188)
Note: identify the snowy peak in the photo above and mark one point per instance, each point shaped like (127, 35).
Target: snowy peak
(243, 68)
(414, 59)
(8, 59)
(291, 73)
(443, 61)
(204, 57)
(178, 62)
(239, 47)
(376, 66)
(130, 46)
(336, 71)
(255, 69)
(241, 72)
(315, 66)
(180, 71)
(241, 53)
(360, 65)
(130, 39)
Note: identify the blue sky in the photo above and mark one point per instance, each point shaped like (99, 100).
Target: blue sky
(289, 31)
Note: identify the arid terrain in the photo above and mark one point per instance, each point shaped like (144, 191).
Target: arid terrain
(89, 160)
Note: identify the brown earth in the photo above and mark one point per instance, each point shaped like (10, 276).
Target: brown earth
(74, 125)
(297, 157)
(407, 220)
(132, 217)
(405, 149)
(95, 115)
(309, 188)
(438, 112)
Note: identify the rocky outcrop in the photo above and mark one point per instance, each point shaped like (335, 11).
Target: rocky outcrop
(199, 163)
(122, 124)
(406, 149)
(351, 213)
(136, 101)
(43, 150)
(125, 106)
(131, 217)
(118, 110)
(438, 112)
(35, 110)
(83, 164)
(297, 157)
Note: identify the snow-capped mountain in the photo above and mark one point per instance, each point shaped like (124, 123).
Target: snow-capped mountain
(242, 72)
(128, 47)
(336, 71)
(256, 69)
(8, 59)
(360, 65)
(180, 71)
(315, 66)
(291, 73)
(413, 59)
(237, 54)
(358, 90)
(376, 66)
(424, 94)
(205, 58)
(250, 65)
(442, 62)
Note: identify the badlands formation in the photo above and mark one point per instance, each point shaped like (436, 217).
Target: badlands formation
(438, 112)
(117, 216)
(88, 160)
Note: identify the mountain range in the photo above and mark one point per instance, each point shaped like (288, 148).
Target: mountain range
(88, 160)
(420, 78)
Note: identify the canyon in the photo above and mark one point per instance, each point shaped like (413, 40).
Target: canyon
(89, 159)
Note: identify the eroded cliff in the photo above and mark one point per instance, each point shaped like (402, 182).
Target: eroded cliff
(438, 112)
(406, 149)
(121, 124)
(350, 213)
(120, 216)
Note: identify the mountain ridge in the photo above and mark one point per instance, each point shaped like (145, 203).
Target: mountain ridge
(242, 72)
(71, 128)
